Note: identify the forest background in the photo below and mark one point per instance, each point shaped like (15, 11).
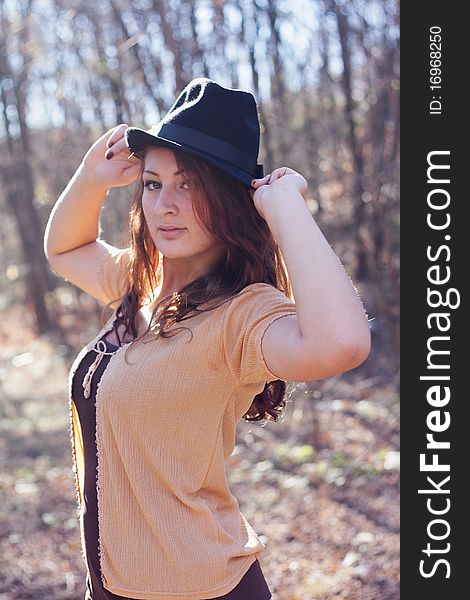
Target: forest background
(322, 486)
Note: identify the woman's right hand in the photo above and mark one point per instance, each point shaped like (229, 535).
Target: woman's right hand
(118, 169)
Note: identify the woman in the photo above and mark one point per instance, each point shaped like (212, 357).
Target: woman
(204, 331)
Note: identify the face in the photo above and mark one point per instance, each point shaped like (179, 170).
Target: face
(166, 202)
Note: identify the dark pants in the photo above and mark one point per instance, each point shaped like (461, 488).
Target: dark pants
(252, 586)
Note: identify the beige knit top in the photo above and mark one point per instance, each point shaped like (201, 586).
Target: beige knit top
(170, 529)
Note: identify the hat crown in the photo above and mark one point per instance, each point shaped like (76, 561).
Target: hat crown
(228, 114)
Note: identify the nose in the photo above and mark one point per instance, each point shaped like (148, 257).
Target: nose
(165, 202)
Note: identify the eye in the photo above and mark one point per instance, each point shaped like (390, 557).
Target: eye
(186, 184)
(149, 184)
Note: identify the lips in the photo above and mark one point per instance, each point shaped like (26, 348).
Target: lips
(171, 233)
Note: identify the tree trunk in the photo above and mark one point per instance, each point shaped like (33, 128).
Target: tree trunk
(18, 184)
(281, 123)
(112, 77)
(354, 143)
(196, 50)
(249, 32)
(160, 7)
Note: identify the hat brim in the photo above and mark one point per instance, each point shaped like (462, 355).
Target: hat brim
(138, 139)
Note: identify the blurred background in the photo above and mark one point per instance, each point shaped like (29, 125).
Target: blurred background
(321, 487)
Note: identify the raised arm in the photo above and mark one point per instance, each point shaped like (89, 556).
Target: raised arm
(71, 241)
(330, 333)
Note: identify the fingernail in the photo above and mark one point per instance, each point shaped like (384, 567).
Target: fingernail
(110, 144)
(108, 155)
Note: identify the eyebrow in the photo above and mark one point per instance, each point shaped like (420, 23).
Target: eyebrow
(158, 175)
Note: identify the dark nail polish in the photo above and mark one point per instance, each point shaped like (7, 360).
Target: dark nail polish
(110, 144)
(108, 155)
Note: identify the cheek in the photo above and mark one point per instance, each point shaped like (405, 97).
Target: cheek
(145, 208)
(202, 232)
(206, 240)
(144, 201)
(203, 235)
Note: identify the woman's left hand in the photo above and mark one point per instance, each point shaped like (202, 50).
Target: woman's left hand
(275, 188)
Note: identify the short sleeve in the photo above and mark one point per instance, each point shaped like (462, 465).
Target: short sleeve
(113, 274)
(248, 316)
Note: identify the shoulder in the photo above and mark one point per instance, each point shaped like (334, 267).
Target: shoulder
(113, 273)
(248, 316)
(256, 302)
(259, 293)
(253, 294)
(260, 290)
(115, 258)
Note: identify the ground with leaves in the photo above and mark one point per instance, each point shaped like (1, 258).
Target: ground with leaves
(321, 488)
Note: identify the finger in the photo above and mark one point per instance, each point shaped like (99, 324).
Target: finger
(117, 133)
(257, 182)
(119, 149)
(274, 175)
(281, 172)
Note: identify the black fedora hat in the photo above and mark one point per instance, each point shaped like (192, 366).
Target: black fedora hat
(207, 120)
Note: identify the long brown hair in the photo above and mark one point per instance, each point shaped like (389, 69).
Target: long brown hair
(224, 207)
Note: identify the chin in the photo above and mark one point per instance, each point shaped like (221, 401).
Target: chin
(173, 252)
